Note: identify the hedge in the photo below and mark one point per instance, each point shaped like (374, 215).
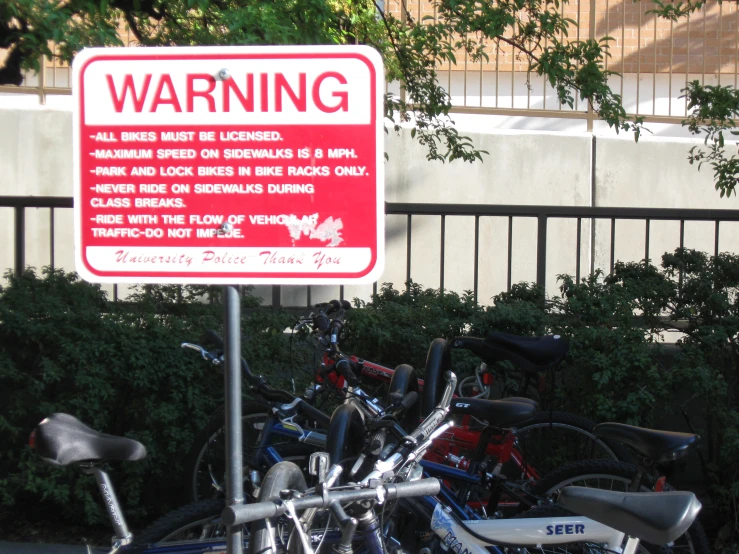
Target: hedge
(64, 346)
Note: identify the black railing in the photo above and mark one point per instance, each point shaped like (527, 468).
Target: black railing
(542, 214)
(19, 205)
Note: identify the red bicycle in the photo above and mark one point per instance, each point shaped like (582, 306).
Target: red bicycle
(520, 444)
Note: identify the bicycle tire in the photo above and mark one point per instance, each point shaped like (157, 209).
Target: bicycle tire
(593, 471)
(552, 439)
(187, 523)
(285, 475)
(206, 457)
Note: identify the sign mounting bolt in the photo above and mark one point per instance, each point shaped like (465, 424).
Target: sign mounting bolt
(224, 74)
(225, 227)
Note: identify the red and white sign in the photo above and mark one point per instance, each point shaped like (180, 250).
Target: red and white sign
(229, 164)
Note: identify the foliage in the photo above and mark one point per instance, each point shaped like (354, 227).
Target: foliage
(618, 367)
(116, 366)
(674, 11)
(64, 347)
(397, 326)
(714, 109)
(708, 299)
(535, 30)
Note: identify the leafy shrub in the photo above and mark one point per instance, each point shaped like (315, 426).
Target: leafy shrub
(118, 368)
(618, 367)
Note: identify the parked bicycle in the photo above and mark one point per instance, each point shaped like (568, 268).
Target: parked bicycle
(369, 446)
(526, 452)
(361, 513)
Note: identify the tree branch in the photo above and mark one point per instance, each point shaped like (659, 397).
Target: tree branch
(10, 72)
(133, 26)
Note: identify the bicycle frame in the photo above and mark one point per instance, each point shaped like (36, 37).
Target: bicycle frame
(459, 436)
(533, 532)
(521, 532)
(455, 439)
(266, 453)
(274, 427)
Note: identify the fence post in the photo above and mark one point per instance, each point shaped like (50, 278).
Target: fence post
(42, 81)
(592, 25)
(20, 240)
(276, 297)
(541, 250)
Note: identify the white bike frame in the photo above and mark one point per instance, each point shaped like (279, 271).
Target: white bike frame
(534, 532)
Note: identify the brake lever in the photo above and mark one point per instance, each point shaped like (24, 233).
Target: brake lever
(215, 360)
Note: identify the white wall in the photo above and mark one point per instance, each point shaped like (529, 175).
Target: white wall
(524, 167)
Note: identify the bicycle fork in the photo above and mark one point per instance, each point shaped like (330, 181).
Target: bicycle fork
(368, 526)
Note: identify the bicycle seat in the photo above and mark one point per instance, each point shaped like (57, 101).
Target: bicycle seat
(501, 413)
(658, 446)
(529, 353)
(62, 439)
(523, 400)
(656, 517)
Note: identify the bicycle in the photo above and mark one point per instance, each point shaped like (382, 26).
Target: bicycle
(652, 448)
(63, 440)
(204, 463)
(497, 442)
(614, 517)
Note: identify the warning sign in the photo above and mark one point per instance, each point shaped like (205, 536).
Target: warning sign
(229, 165)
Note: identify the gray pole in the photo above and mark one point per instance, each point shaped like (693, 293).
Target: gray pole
(234, 465)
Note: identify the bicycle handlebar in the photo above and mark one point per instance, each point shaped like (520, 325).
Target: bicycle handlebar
(268, 392)
(244, 513)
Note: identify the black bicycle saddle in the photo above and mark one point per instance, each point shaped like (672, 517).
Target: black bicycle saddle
(529, 353)
(658, 446)
(500, 413)
(62, 439)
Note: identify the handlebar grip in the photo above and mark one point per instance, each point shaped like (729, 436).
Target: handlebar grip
(209, 335)
(346, 305)
(244, 513)
(348, 369)
(422, 487)
(321, 322)
(332, 306)
(409, 400)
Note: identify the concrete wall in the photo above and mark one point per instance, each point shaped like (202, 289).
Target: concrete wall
(524, 167)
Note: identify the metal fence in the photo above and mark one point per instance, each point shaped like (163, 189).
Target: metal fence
(583, 216)
(656, 58)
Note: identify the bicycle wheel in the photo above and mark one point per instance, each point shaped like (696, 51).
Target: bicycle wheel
(205, 464)
(611, 475)
(554, 511)
(267, 535)
(551, 439)
(198, 524)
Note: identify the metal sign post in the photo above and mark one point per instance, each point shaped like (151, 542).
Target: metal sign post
(234, 466)
(229, 165)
